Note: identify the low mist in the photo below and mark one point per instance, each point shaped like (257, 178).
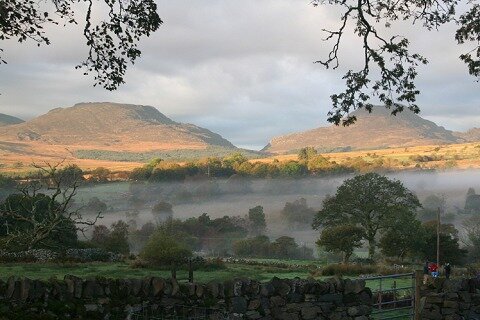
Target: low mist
(133, 201)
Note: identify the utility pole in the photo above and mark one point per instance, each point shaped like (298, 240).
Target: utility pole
(438, 237)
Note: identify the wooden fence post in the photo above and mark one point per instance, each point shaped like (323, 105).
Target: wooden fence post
(418, 284)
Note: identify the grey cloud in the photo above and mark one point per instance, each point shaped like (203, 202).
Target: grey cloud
(242, 69)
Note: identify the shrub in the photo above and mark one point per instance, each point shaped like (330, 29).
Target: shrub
(163, 249)
(348, 269)
(114, 239)
(211, 264)
(362, 270)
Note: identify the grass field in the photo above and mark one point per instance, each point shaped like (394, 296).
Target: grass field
(124, 270)
(18, 159)
(288, 269)
(461, 156)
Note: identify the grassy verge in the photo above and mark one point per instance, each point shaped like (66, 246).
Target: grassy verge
(124, 270)
(287, 269)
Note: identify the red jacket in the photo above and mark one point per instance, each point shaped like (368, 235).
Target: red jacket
(432, 267)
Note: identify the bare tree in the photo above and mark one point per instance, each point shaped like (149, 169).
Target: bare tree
(42, 210)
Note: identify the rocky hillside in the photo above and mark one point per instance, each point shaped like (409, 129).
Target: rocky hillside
(6, 120)
(118, 126)
(374, 130)
(471, 135)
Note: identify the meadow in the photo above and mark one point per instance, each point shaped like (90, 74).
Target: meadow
(18, 161)
(284, 269)
(449, 156)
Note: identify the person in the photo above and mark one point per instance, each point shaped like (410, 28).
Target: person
(433, 268)
(425, 272)
(448, 270)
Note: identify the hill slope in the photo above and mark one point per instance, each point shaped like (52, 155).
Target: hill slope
(374, 130)
(6, 120)
(471, 135)
(114, 126)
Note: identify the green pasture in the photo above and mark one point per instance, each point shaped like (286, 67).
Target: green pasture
(286, 269)
(125, 270)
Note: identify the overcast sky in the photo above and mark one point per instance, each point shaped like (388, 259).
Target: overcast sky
(243, 69)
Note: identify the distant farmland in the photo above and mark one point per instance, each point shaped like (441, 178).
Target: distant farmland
(459, 156)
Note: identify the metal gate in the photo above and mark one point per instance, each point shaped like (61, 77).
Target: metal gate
(393, 296)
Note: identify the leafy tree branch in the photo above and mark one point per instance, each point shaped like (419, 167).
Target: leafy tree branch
(389, 67)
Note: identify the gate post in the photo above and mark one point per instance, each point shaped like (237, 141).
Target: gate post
(418, 283)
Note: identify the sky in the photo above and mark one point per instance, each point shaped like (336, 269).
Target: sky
(243, 69)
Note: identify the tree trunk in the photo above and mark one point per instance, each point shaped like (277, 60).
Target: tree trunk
(371, 248)
(190, 270)
(346, 257)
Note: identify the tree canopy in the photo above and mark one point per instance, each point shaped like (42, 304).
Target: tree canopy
(370, 201)
(342, 238)
(112, 41)
(389, 67)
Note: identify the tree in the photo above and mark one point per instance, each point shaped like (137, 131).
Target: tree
(256, 216)
(370, 201)
(7, 186)
(319, 163)
(112, 42)
(430, 207)
(472, 241)
(258, 247)
(68, 175)
(114, 239)
(284, 247)
(163, 249)
(342, 238)
(292, 169)
(298, 212)
(472, 201)
(234, 160)
(100, 174)
(450, 250)
(31, 219)
(162, 211)
(306, 153)
(117, 240)
(389, 57)
(403, 239)
(100, 234)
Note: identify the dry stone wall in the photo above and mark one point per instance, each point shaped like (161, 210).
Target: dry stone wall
(451, 299)
(100, 298)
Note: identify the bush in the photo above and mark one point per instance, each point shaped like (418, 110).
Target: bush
(163, 249)
(209, 264)
(362, 269)
(348, 269)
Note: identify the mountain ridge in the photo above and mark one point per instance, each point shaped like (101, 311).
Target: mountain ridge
(375, 130)
(7, 120)
(104, 124)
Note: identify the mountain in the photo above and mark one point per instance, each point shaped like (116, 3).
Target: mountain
(6, 120)
(375, 130)
(112, 126)
(471, 135)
